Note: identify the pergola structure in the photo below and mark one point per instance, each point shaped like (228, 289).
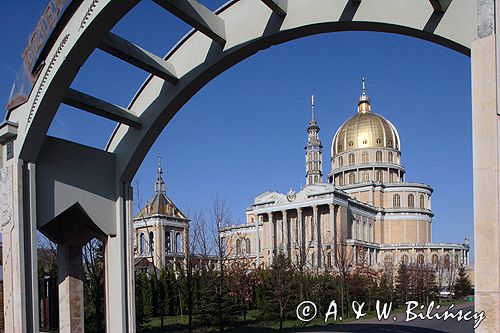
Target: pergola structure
(73, 193)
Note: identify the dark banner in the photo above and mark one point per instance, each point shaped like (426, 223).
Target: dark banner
(31, 65)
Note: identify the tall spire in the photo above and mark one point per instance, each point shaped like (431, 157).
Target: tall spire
(160, 186)
(314, 173)
(312, 109)
(364, 100)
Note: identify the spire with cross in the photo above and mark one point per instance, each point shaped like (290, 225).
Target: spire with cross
(364, 100)
(160, 186)
(314, 173)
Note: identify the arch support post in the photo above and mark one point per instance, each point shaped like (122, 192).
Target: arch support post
(19, 257)
(119, 267)
(70, 276)
(485, 139)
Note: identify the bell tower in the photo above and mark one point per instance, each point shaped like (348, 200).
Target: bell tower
(314, 169)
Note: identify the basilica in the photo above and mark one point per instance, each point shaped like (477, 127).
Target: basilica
(365, 204)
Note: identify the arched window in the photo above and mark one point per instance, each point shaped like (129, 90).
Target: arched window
(422, 201)
(447, 261)
(390, 157)
(341, 180)
(435, 260)
(366, 177)
(168, 243)
(365, 236)
(352, 158)
(142, 241)
(411, 201)
(238, 247)
(341, 161)
(364, 157)
(379, 176)
(388, 260)
(178, 243)
(352, 178)
(404, 259)
(151, 242)
(378, 156)
(396, 201)
(420, 260)
(247, 245)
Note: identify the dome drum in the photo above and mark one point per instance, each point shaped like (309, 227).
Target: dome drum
(362, 157)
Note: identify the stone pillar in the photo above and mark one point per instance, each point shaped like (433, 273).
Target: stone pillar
(257, 239)
(70, 276)
(300, 235)
(19, 257)
(485, 128)
(286, 239)
(12, 249)
(317, 234)
(271, 237)
(333, 231)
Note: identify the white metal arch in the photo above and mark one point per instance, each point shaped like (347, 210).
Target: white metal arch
(240, 28)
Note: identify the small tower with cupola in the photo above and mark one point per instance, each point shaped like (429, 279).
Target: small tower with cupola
(161, 229)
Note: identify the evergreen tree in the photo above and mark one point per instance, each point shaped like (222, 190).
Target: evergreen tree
(462, 286)
(142, 299)
(280, 289)
(403, 283)
(385, 287)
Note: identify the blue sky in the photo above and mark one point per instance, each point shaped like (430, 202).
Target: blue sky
(245, 132)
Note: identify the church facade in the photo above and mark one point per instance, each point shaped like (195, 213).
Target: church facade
(365, 205)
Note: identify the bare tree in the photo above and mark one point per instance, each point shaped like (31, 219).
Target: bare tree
(93, 259)
(344, 263)
(242, 279)
(192, 262)
(220, 217)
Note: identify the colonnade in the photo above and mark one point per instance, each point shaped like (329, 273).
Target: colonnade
(301, 233)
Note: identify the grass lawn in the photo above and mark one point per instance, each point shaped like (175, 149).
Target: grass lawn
(175, 324)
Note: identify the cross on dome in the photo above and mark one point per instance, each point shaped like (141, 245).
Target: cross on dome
(160, 183)
(364, 100)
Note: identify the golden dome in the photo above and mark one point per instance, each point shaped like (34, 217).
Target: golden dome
(365, 130)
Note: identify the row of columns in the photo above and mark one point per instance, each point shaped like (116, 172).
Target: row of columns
(282, 236)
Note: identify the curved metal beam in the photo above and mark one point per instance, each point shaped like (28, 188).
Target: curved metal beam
(198, 59)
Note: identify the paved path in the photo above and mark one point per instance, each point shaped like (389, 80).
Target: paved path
(372, 325)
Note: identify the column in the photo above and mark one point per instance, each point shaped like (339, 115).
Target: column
(19, 256)
(333, 232)
(286, 240)
(257, 239)
(317, 233)
(485, 138)
(70, 276)
(300, 236)
(270, 237)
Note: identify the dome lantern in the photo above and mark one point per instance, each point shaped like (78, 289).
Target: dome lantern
(364, 100)
(365, 130)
